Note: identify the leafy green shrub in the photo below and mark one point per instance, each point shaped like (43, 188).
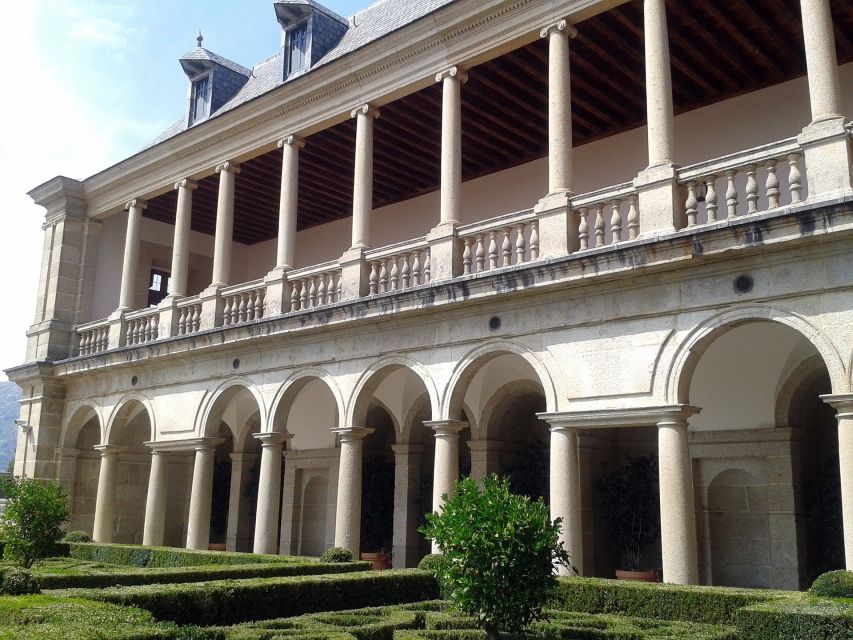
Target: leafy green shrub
(336, 554)
(431, 562)
(709, 605)
(18, 581)
(234, 601)
(169, 557)
(77, 536)
(833, 584)
(817, 620)
(35, 511)
(500, 550)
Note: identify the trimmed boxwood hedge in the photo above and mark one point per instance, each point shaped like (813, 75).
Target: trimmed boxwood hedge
(709, 605)
(234, 601)
(134, 555)
(96, 579)
(833, 584)
(817, 619)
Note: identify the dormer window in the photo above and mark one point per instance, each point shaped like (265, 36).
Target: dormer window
(200, 99)
(298, 38)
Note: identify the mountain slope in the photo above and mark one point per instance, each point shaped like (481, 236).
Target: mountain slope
(9, 395)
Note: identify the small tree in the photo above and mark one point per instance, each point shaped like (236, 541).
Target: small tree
(35, 511)
(500, 551)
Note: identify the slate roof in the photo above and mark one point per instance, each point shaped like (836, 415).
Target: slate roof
(365, 26)
(200, 53)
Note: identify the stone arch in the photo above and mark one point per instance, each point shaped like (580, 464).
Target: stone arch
(291, 388)
(217, 400)
(373, 377)
(127, 410)
(79, 464)
(790, 400)
(674, 385)
(80, 415)
(471, 363)
(499, 402)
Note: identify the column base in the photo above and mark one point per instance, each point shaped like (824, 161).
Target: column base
(277, 297)
(212, 307)
(828, 158)
(355, 273)
(445, 252)
(118, 329)
(558, 225)
(660, 200)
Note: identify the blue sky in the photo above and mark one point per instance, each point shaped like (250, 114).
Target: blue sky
(88, 83)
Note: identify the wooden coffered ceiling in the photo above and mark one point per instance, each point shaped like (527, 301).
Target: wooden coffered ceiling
(719, 49)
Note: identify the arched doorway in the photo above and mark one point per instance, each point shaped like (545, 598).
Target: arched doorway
(80, 467)
(758, 384)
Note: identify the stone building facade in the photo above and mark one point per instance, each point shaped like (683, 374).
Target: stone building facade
(580, 230)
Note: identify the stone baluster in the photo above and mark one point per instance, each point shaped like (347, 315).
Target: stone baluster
(616, 222)
(599, 224)
(480, 254)
(467, 257)
(506, 246)
(633, 218)
(182, 321)
(751, 190)
(416, 268)
(338, 286)
(795, 180)
(312, 295)
(406, 272)
(428, 265)
(395, 273)
(583, 228)
(691, 205)
(244, 307)
(321, 289)
(519, 243)
(306, 294)
(711, 198)
(534, 240)
(772, 185)
(731, 194)
(493, 250)
(373, 280)
(383, 277)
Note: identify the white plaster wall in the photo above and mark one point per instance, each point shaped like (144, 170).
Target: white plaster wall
(312, 417)
(742, 122)
(737, 379)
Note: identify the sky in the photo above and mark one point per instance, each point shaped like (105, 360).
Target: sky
(88, 83)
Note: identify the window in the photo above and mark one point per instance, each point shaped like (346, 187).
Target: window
(158, 286)
(298, 48)
(201, 99)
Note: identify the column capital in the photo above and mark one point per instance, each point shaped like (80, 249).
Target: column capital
(607, 418)
(350, 434)
(188, 444)
(842, 402)
(560, 27)
(454, 73)
(135, 203)
(186, 183)
(446, 427)
(292, 140)
(109, 449)
(365, 110)
(229, 166)
(272, 439)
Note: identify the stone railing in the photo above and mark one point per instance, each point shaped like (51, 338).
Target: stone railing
(188, 316)
(243, 303)
(315, 286)
(607, 216)
(141, 327)
(93, 337)
(744, 183)
(499, 242)
(398, 266)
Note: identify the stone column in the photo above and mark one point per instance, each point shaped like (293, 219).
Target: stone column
(102, 531)
(181, 244)
(224, 224)
(843, 403)
(407, 476)
(155, 504)
(825, 141)
(446, 472)
(348, 509)
(566, 492)
(657, 187)
(289, 202)
(677, 511)
(269, 493)
(484, 457)
(451, 81)
(362, 185)
(201, 494)
(131, 253)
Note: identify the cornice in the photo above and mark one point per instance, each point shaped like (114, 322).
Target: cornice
(397, 64)
(607, 418)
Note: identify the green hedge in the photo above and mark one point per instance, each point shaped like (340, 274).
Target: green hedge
(709, 605)
(234, 601)
(813, 620)
(52, 618)
(97, 579)
(362, 624)
(134, 555)
(833, 584)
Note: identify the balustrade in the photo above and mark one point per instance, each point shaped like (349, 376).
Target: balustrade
(398, 267)
(743, 184)
(141, 327)
(189, 316)
(243, 303)
(93, 338)
(607, 216)
(501, 242)
(315, 286)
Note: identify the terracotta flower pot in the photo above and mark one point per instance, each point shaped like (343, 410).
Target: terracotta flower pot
(379, 561)
(637, 576)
